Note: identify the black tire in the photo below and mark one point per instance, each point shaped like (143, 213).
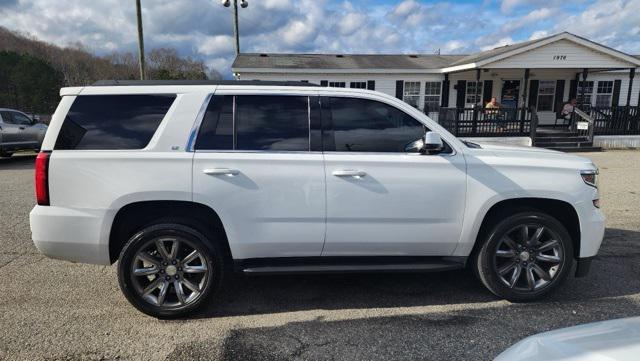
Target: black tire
(210, 264)
(495, 255)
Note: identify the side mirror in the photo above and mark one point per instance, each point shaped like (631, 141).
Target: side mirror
(432, 142)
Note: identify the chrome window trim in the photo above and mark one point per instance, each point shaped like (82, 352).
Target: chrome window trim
(257, 151)
(453, 152)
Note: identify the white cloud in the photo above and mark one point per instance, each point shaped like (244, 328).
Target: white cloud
(500, 42)
(203, 28)
(453, 46)
(213, 45)
(608, 21)
(538, 34)
(532, 17)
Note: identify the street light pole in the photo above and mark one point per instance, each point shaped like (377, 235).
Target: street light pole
(140, 40)
(236, 31)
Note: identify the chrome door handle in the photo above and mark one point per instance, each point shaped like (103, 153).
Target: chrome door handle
(221, 171)
(349, 173)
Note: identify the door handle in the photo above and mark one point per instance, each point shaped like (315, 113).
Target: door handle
(221, 171)
(349, 173)
(21, 127)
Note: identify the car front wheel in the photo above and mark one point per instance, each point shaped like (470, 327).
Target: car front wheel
(169, 270)
(525, 256)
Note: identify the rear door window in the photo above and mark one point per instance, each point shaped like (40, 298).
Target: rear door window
(255, 123)
(113, 121)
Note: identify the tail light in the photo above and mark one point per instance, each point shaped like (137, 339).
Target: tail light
(42, 178)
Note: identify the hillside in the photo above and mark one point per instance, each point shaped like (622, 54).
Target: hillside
(32, 71)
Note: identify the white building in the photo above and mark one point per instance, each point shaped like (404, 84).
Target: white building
(542, 73)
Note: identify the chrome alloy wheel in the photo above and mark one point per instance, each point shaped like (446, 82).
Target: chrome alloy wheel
(528, 257)
(169, 272)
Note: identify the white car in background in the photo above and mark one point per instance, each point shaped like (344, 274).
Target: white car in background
(613, 340)
(182, 182)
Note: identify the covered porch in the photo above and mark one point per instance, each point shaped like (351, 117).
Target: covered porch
(532, 81)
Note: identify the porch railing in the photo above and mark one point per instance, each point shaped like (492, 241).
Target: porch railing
(480, 122)
(583, 124)
(616, 120)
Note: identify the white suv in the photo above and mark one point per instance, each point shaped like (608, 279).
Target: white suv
(182, 182)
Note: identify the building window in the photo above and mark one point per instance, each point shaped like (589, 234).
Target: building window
(474, 93)
(412, 93)
(546, 92)
(605, 93)
(432, 96)
(337, 84)
(588, 92)
(358, 85)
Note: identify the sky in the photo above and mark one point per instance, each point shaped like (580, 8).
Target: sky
(203, 29)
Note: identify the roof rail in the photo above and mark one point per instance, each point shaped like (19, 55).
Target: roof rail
(199, 82)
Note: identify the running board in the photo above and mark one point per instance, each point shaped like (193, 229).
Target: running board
(267, 266)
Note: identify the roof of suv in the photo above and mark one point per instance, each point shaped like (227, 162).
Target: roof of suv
(199, 82)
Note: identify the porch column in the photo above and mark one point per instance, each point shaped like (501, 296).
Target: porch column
(524, 98)
(632, 73)
(475, 105)
(444, 101)
(585, 72)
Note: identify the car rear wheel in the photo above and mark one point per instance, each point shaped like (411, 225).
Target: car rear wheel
(525, 256)
(169, 270)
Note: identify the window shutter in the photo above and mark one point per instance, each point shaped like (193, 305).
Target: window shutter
(615, 99)
(324, 83)
(444, 102)
(533, 93)
(399, 89)
(461, 88)
(573, 89)
(487, 91)
(557, 105)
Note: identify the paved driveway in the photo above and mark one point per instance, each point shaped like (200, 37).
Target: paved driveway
(59, 310)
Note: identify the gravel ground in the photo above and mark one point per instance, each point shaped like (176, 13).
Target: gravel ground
(62, 311)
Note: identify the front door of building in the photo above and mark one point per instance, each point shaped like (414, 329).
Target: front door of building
(510, 93)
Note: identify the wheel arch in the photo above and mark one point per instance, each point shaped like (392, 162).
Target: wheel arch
(136, 215)
(563, 211)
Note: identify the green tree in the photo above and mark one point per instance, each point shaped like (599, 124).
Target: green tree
(28, 83)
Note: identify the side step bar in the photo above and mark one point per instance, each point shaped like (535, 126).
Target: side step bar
(269, 266)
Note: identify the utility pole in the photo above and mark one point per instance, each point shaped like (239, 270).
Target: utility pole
(236, 32)
(140, 40)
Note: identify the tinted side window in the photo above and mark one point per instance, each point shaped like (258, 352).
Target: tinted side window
(216, 131)
(6, 117)
(112, 121)
(272, 123)
(21, 119)
(362, 125)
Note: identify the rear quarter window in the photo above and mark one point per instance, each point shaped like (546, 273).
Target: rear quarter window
(102, 122)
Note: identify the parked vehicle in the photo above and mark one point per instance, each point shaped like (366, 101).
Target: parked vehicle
(19, 132)
(182, 182)
(613, 340)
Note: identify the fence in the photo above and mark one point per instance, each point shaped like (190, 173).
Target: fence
(479, 122)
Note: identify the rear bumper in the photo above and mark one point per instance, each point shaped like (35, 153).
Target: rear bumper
(77, 235)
